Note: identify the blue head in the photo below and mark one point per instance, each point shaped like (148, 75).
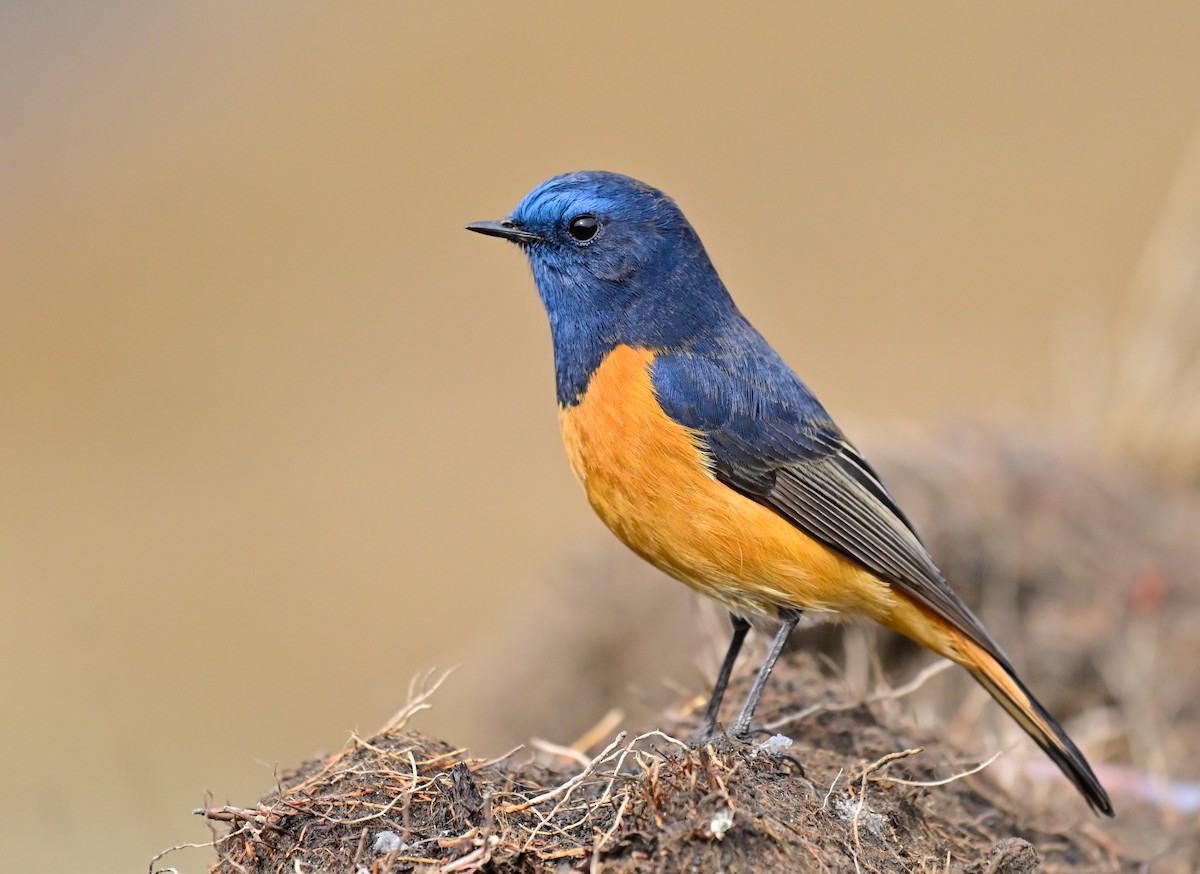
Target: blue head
(615, 263)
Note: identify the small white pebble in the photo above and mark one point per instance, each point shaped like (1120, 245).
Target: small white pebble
(774, 745)
(847, 809)
(722, 822)
(387, 842)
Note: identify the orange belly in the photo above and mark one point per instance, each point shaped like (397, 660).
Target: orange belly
(647, 477)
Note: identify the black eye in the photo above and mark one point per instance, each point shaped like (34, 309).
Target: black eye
(583, 227)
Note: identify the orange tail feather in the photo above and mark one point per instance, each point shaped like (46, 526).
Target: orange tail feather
(989, 667)
(1002, 683)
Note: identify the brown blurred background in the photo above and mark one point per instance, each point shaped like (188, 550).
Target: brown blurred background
(261, 394)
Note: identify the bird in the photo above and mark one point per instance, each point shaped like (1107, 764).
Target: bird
(702, 451)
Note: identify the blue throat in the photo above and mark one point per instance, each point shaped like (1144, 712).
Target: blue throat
(672, 303)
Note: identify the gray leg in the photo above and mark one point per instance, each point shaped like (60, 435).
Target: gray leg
(709, 726)
(741, 728)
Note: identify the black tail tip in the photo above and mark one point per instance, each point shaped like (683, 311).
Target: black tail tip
(1072, 763)
(1099, 802)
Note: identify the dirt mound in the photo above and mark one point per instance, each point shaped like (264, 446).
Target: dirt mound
(855, 791)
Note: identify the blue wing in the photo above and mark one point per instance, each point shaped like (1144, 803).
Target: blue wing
(771, 440)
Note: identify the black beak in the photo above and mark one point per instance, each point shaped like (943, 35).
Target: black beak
(505, 229)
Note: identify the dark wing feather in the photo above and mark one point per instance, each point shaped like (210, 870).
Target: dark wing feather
(826, 499)
(770, 439)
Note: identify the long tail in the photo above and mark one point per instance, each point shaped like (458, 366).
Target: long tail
(1002, 683)
(996, 675)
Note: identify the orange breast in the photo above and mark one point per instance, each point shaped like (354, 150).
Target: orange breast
(647, 477)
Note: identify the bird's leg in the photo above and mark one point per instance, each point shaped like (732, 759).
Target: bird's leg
(741, 727)
(709, 726)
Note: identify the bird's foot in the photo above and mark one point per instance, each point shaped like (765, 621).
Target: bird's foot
(735, 732)
(706, 735)
(742, 731)
(762, 742)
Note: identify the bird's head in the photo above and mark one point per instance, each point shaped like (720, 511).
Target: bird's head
(613, 252)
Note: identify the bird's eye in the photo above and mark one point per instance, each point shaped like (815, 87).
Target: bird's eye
(583, 227)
